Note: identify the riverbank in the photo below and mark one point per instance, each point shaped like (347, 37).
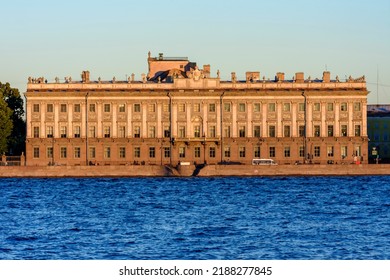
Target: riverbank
(184, 171)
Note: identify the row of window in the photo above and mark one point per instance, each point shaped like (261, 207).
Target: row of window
(197, 131)
(196, 107)
(316, 152)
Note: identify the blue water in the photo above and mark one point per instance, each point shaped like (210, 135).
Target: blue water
(196, 218)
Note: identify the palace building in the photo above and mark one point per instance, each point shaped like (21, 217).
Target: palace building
(181, 114)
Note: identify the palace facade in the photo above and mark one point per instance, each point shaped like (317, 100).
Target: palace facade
(178, 113)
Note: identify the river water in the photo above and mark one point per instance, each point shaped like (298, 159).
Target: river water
(196, 218)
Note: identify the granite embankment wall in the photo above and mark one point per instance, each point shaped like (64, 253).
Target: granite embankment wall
(209, 170)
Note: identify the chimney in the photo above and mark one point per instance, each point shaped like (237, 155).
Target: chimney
(326, 77)
(85, 76)
(279, 77)
(299, 77)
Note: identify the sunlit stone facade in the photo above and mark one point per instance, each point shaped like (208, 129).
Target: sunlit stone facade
(179, 114)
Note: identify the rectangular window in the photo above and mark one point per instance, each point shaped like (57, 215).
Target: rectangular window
(152, 108)
(49, 152)
(212, 131)
(77, 131)
(137, 152)
(241, 131)
(152, 131)
(256, 151)
(343, 107)
(286, 107)
(152, 152)
(241, 151)
(330, 151)
(107, 108)
(63, 152)
(77, 108)
(256, 131)
(330, 130)
(344, 130)
(356, 106)
(182, 152)
(212, 108)
(167, 132)
(287, 131)
(197, 152)
(271, 131)
(107, 131)
(227, 151)
(182, 107)
(287, 152)
(137, 108)
(226, 107)
(344, 152)
(301, 129)
(122, 152)
(357, 130)
(49, 108)
(137, 131)
(197, 107)
(36, 131)
(330, 107)
(63, 131)
(212, 152)
(317, 131)
(36, 108)
(92, 152)
(256, 107)
(121, 108)
(316, 107)
(92, 108)
(36, 152)
(122, 131)
(241, 107)
(77, 152)
(166, 107)
(182, 131)
(92, 132)
(49, 131)
(226, 131)
(63, 108)
(317, 151)
(167, 152)
(271, 107)
(197, 131)
(301, 107)
(301, 151)
(107, 152)
(272, 152)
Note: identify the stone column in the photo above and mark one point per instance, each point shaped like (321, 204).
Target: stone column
(129, 120)
(264, 129)
(160, 126)
(174, 119)
(364, 118)
(234, 119)
(350, 119)
(70, 133)
(99, 120)
(336, 119)
(189, 131)
(324, 131)
(114, 120)
(205, 119)
(279, 123)
(144, 128)
(218, 128)
(294, 112)
(249, 120)
(309, 119)
(83, 120)
(42, 130)
(56, 120)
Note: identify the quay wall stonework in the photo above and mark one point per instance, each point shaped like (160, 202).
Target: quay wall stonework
(207, 171)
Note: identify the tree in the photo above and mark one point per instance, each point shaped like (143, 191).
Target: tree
(14, 102)
(5, 125)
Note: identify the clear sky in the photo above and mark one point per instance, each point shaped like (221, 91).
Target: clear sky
(112, 38)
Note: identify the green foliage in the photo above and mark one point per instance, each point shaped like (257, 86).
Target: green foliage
(5, 125)
(12, 106)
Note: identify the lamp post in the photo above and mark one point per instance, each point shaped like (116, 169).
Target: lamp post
(221, 125)
(305, 127)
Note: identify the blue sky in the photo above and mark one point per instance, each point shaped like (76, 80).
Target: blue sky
(112, 38)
